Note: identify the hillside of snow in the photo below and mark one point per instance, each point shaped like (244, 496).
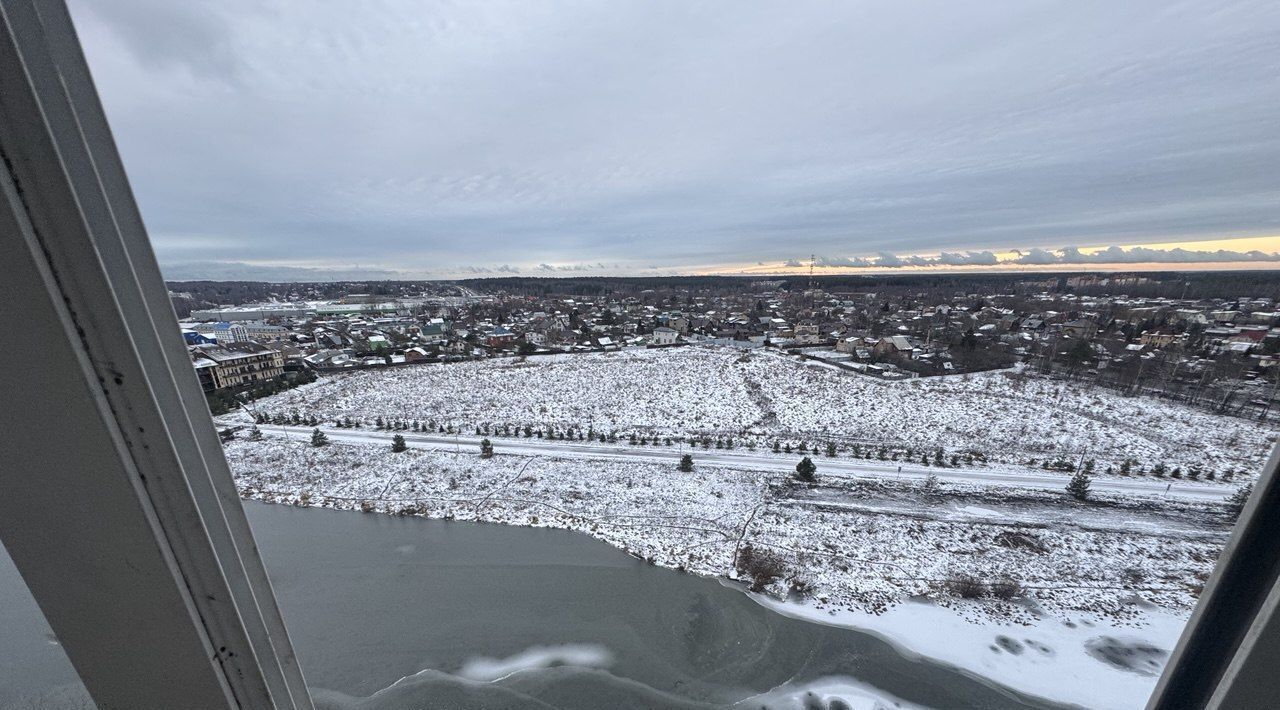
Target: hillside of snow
(765, 396)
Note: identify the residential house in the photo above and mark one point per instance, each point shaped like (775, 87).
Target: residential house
(1081, 328)
(894, 345)
(499, 337)
(665, 336)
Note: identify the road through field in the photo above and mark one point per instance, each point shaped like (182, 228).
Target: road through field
(757, 461)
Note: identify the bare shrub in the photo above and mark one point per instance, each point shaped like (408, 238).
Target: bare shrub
(965, 586)
(760, 566)
(801, 588)
(1007, 588)
(1017, 540)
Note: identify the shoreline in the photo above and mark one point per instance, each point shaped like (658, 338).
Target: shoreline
(1046, 658)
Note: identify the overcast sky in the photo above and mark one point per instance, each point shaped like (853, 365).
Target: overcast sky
(441, 138)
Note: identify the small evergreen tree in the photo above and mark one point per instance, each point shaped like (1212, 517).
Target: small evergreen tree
(1078, 486)
(777, 447)
(806, 470)
(831, 449)
(318, 438)
(255, 434)
(686, 463)
(398, 445)
(486, 448)
(1237, 501)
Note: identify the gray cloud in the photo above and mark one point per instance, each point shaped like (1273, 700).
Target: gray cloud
(430, 135)
(1038, 257)
(238, 271)
(1139, 255)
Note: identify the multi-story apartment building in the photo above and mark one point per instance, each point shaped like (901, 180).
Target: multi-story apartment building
(237, 364)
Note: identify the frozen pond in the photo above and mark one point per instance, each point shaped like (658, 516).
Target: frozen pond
(494, 616)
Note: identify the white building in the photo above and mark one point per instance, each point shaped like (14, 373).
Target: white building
(665, 336)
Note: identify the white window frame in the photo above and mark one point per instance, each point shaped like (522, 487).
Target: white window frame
(118, 507)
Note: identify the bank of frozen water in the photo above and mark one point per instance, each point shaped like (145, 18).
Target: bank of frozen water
(1087, 661)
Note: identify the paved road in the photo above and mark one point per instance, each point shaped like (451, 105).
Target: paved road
(757, 461)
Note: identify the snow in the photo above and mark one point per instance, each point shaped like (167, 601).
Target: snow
(1048, 657)
(1110, 579)
(826, 693)
(979, 511)
(581, 654)
(761, 396)
(866, 548)
(870, 559)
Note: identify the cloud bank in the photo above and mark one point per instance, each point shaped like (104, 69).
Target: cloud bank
(239, 271)
(1142, 255)
(1038, 257)
(433, 135)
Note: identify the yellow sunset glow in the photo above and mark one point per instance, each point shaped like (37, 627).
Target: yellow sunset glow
(1269, 244)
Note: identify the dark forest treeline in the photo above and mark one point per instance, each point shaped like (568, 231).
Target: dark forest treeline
(210, 294)
(1190, 285)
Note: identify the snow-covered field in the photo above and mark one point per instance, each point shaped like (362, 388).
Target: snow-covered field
(763, 396)
(862, 549)
(1085, 588)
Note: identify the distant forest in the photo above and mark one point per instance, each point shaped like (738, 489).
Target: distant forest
(189, 295)
(1200, 284)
